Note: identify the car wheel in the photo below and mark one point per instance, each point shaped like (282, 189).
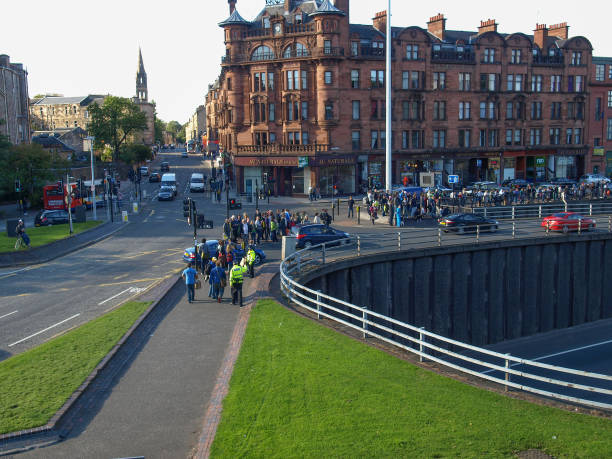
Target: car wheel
(257, 260)
(307, 244)
(565, 229)
(461, 230)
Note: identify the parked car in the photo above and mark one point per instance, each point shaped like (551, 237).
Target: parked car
(51, 217)
(513, 183)
(144, 170)
(165, 193)
(568, 221)
(563, 181)
(164, 166)
(309, 235)
(593, 178)
(463, 223)
(155, 177)
(237, 253)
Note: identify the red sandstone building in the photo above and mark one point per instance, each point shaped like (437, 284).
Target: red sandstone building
(600, 116)
(301, 99)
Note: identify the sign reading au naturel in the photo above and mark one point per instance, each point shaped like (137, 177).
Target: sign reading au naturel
(302, 161)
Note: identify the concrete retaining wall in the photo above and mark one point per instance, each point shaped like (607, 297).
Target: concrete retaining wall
(482, 294)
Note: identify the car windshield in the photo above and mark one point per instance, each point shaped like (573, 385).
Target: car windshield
(165, 189)
(197, 180)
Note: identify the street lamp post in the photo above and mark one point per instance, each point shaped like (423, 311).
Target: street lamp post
(388, 136)
(93, 183)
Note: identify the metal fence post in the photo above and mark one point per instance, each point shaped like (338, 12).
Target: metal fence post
(579, 225)
(439, 237)
(318, 305)
(333, 210)
(485, 211)
(323, 247)
(590, 210)
(299, 263)
(399, 241)
(507, 377)
(512, 212)
(477, 233)
(539, 211)
(547, 226)
(358, 215)
(513, 229)
(565, 206)
(421, 344)
(365, 317)
(610, 224)
(358, 246)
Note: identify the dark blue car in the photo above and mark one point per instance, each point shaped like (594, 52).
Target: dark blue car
(237, 253)
(309, 235)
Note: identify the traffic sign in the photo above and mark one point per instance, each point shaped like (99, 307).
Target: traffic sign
(453, 179)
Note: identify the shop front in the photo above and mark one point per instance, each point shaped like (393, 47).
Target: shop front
(480, 167)
(609, 164)
(335, 170)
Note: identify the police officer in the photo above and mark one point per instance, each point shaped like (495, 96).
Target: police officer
(236, 279)
(250, 259)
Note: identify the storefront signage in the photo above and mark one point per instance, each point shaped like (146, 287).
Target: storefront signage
(540, 161)
(302, 161)
(598, 151)
(332, 161)
(494, 164)
(276, 161)
(453, 179)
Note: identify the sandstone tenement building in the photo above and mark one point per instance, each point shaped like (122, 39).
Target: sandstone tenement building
(301, 98)
(14, 101)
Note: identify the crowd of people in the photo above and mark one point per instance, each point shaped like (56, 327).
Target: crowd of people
(401, 206)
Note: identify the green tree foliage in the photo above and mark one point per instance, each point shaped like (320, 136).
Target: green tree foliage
(114, 121)
(160, 128)
(177, 130)
(33, 166)
(135, 154)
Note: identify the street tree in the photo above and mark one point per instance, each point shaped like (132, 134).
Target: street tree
(115, 121)
(135, 153)
(177, 130)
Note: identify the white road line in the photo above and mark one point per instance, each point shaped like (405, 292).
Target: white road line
(42, 331)
(9, 314)
(544, 357)
(115, 296)
(3, 275)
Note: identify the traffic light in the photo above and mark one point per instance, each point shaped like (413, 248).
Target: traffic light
(17, 186)
(265, 178)
(186, 207)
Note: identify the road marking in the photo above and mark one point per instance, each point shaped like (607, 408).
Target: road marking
(115, 296)
(120, 276)
(146, 220)
(128, 282)
(12, 273)
(568, 351)
(9, 314)
(24, 294)
(42, 331)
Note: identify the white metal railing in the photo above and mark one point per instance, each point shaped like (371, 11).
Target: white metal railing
(542, 210)
(540, 379)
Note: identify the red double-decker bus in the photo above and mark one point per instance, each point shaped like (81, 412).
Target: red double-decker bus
(54, 197)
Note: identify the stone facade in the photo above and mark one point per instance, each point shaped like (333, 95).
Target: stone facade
(196, 126)
(58, 112)
(600, 116)
(141, 99)
(482, 105)
(14, 101)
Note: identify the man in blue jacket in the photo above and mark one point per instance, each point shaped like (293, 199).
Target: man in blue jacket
(190, 275)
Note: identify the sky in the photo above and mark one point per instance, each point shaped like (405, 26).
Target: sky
(75, 48)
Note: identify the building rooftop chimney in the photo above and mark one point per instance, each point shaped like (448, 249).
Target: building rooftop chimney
(540, 35)
(487, 26)
(559, 30)
(437, 25)
(380, 21)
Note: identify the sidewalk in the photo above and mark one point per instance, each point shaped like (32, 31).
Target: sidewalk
(154, 404)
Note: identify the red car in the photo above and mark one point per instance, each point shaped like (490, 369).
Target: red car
(568, 221)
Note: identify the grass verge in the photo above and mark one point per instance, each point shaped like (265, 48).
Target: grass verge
(46, 234)
(300, 389)
(36, 383)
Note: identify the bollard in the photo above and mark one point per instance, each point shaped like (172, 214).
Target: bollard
(507, 374)
(513, 229)
(439, 237)
(318, 304)
(333, 211)
(364, 317)
(477, 234)
(358, 215)
(323, 253)
(421, 344)
(338, 207)
(399, 241)
(358, 246)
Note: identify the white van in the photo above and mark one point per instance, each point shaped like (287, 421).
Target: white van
(196, 182)
(169, 179)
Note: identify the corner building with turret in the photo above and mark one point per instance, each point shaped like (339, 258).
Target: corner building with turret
(301, 101)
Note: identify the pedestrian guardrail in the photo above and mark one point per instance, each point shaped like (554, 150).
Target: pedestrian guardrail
(543, 210)
(586, 388)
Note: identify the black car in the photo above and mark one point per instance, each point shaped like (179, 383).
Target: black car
(155, 177)
(309, 235)
(51, 217)
(562, 181)
(164, 167)
(521, 183)
(463, 223)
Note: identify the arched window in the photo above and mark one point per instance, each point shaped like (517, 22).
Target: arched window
(262, 53)
(299, 50)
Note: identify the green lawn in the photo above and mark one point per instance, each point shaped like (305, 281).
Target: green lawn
(35, 384)
(302, 390)
(45, 234)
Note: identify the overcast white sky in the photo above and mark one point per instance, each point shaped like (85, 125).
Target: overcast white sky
(79, 47)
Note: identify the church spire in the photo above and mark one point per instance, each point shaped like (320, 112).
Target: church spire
(141, 80)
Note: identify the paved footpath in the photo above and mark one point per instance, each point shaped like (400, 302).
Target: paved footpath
(156, 406)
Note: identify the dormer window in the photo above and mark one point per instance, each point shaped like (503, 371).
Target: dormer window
(377, 44)
(298, 18)
(266, 23)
